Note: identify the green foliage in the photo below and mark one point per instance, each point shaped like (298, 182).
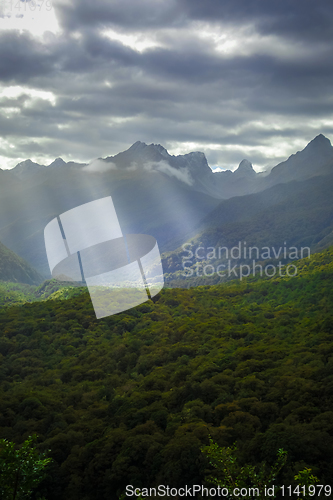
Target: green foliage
(15, 293)
(131, 398)
(19, 293)
(305, 478)
(21, 469)
(230, 474)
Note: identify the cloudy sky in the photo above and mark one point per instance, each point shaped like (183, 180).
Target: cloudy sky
(235, 79)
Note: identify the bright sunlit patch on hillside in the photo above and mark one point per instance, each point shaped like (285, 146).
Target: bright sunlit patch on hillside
(35, 16)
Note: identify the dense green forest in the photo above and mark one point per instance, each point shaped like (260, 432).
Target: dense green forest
(20, 293)
(131, 398)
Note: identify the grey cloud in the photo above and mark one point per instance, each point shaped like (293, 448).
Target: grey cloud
(164, 167)
(308, 20)
(182, 175)
(99, 166)
(183, 92)
(22, 57)
(128, 14)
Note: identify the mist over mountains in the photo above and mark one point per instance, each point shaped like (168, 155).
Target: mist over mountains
(193, 169)
(154, 193)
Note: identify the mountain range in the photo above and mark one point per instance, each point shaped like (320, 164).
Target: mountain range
(193, 169)
(170, 197)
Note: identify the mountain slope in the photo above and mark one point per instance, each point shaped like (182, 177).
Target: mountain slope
(14, 269)
(191, 168)
(315, 159)
(8, 182)
(295, 214)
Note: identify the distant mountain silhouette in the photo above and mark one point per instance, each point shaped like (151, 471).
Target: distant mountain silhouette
(26, 169)
(315, 159)
(154, 192)
(193, 169)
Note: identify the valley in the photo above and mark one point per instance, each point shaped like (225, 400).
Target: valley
(245, 358)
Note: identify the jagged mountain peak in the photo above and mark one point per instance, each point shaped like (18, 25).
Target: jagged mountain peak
(316, 158)
(137, 145)
(26, 168)
(198, 154)
(58, 162)
(319, 142)
(140, 146)
(160, 149)
(320, 138)
(245, 165)
(319, 145)
(27, 163)
(245, 168)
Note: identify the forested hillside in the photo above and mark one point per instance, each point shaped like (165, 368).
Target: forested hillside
(131, 398)
(298, 214)
(20, 293)
(15, 269)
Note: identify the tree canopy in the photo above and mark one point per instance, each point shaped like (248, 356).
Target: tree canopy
(132, 398)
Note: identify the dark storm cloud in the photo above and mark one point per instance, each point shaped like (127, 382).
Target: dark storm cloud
(22, 57)
(128, 14)
(107, 95)
(306, 19)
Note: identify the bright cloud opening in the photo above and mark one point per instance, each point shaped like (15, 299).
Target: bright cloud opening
(15, 91)
(35, 16)
(138, 42)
